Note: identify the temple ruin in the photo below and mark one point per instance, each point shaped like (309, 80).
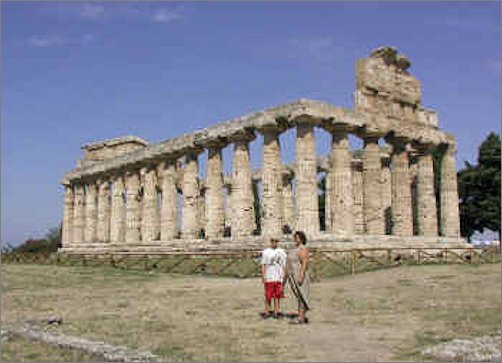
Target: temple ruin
(129, 195)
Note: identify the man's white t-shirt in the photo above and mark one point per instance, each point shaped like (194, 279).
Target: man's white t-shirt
(275, 261)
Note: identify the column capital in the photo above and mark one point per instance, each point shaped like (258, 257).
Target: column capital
(243, 136)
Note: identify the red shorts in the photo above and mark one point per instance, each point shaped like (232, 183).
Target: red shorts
(273, 290)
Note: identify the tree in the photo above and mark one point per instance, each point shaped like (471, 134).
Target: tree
(479, 190)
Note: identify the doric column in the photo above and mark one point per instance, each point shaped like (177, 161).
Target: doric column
(103, 232)
(372, 205)
(79, 214)
(386, 198)
(190, 189)
(271, 184)
(133, 215)
(402, 212)
(242, 199)
(90, 213)
(67, 228)
(341, 194)
(168, 207)
(450, 220)
(307, 202)
(117, 214)
(357, 190)
(426, 196)
(288, 206)
(149, 215)
(215, 201)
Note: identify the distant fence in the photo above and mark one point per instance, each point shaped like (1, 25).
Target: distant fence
(324, 262)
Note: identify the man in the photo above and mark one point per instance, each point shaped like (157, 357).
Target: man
(273, 272)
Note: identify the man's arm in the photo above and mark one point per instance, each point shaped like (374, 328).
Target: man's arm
(304, 259)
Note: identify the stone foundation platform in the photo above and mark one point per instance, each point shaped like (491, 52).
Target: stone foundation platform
(229, 245)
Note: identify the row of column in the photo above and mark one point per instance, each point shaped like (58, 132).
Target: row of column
(131, 213)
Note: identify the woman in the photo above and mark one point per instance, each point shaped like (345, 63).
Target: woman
(298, 275)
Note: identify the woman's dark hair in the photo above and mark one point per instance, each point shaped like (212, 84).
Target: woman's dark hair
(302, 237)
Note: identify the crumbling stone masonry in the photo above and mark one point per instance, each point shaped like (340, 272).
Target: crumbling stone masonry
(128, 195)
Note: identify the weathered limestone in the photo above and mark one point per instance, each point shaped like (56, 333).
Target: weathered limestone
(271, 182)
(189, 213)
(67, 228)
(372, 205)
(386, 195)
(215, 201)
(90, 213)
(168, 207)
(103, 213)
(450, 221)
(79, 214)
(149, 216)
(288, 206)
(426, 196)
(133, 213)
(243, 219)
(307, 203)
(358, 208)
(117, 215)
(402, 215)
(341, 206)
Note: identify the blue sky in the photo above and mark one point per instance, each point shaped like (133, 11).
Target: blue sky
(79, 72)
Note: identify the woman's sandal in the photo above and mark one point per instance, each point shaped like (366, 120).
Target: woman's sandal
(299, 322)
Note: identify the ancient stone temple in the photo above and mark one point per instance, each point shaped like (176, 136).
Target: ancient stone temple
(129, 195)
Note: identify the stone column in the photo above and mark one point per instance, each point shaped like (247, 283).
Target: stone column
(168, 207)
(103, 232)
(426, 196)
(133, 215)
(117, 214)
(372, 205)
(242, 199)
(450, 219)
(90, 213)
(271, 184)
(357, 189)
(149, 217)
(68, 212)
(189, 215)
(307, 202)
(341, 198)
(79, 214)
(215, 201)
(402, 212)
(386, 180)
(288, 206)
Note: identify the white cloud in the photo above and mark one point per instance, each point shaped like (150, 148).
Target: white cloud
(44, 41)
(165, 15)
(92, 11)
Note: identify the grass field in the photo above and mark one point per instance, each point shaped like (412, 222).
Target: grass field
(376, 316)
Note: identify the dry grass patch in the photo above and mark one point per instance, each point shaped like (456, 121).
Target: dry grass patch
(378, 316)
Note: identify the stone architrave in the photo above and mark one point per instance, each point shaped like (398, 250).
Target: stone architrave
(242, 199)
(402, 212)
(79, 214)
(288, 203)
(426, 196)
(90, 213)
(103, 228)
(271, 183)
(149, 217)
(168, 207)
(357, 190)
(133, 215)
(68, 212)
(450, 220)
(306, 180)
(190, 189)
(341, 196)
(214, 195)
(372, 205)
(117, 214)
